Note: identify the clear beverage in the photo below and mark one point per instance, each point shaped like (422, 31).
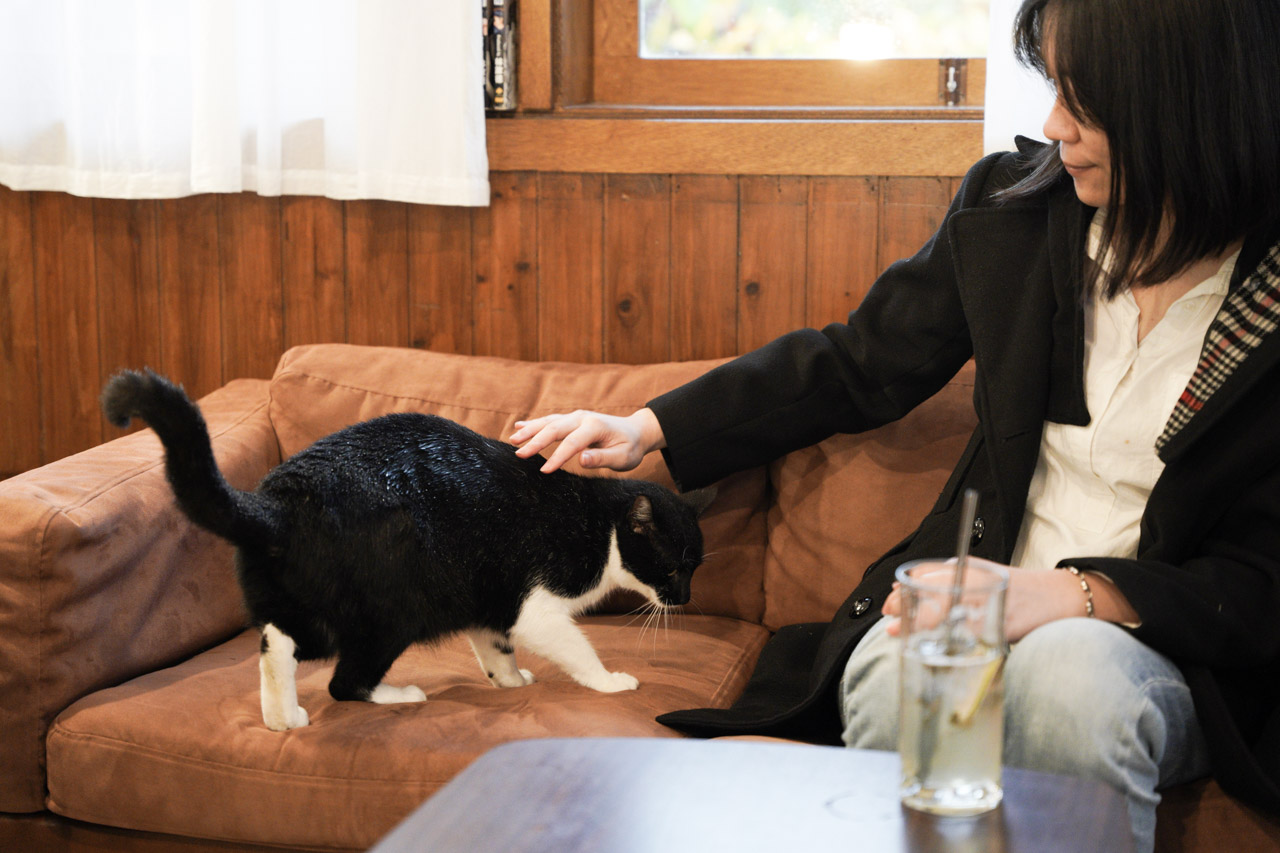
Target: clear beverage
(951, 725)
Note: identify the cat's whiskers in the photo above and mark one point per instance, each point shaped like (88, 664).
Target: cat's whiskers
(656, 615)
(655, 619)
(642, 611)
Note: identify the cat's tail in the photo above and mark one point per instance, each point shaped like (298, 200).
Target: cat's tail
(202, 492)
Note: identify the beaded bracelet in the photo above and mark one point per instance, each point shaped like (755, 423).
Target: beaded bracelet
(1084, 585)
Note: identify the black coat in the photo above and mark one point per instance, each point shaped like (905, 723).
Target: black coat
(1000, 283)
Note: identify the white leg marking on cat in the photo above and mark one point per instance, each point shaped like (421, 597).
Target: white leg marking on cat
(385, 694)
(278, 686)
(498, 665)
(546, 627)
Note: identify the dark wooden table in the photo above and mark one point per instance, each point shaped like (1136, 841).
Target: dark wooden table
(654, 795)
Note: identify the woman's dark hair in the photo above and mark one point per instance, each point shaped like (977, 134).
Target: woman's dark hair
(1188, 94)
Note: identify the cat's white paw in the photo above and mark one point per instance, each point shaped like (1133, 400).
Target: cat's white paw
(283, 722)
(614, 682)
(385, 694)
(520, 678)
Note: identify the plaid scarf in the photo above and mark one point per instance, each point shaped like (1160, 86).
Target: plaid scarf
(1248, 314)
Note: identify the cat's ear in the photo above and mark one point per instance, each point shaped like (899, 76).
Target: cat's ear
(640, 516)
(700, 499)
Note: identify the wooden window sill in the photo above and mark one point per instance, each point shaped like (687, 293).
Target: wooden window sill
(753, 141)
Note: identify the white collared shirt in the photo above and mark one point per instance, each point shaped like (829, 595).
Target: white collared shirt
(1091, 483)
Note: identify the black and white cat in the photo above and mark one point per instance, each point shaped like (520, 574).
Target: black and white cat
(410, 528)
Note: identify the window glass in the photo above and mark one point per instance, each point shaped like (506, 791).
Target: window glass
(812, 29)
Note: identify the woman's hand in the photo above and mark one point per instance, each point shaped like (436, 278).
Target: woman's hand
(601, 441)
(1034, 597)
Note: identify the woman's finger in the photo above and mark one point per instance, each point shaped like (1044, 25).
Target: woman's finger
(571, 445)
(541, 434)
(529, 428)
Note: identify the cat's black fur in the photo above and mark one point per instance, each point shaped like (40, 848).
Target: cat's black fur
(409, 528)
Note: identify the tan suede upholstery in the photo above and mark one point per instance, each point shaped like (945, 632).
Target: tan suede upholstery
(840, 504)
(123, 622)
(191, 737)
(103, 578)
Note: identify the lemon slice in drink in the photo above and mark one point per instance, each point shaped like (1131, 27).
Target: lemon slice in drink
(964, 711)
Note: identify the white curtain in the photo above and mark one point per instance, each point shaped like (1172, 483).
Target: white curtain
(165, 98)
(1017, 100)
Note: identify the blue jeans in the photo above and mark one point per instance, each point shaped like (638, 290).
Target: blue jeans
(1082, 698)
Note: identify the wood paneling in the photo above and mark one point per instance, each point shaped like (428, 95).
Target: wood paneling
(843, 240)
(574, 266)
(505, 258)
(911, 210)
(252, 289)
(67, 322)
(125, 259)
(313, 263)
(772, 245)
(637, 269)
(21, 418)
(190, 293)
(704, 255)
(441, 283)
(377, 236)
(570, 263)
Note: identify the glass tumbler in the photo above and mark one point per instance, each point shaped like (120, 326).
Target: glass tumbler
(951, 722)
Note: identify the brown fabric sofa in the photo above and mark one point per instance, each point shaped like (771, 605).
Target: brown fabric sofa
(129, 710)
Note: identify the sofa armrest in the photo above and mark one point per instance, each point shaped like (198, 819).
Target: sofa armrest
(103, 578)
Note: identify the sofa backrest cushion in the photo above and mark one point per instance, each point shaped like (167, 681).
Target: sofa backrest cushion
(320, 389)
(839, 505)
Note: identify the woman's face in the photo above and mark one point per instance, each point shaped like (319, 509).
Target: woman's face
(1084, 149)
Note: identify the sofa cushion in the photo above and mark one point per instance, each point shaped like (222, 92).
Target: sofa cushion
(1201, 816)
(184, 750)
(842, 503)
(320, 389)
(102, 577)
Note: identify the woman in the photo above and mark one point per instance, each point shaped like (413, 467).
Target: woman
(1117, 291)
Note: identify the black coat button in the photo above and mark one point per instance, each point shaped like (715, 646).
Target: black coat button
(860, 607)
(979, 528)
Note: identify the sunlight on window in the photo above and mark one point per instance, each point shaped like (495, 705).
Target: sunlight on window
(812, 29)
(866, 39)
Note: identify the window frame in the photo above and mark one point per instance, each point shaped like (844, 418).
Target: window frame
(563, 124)
(621, 77)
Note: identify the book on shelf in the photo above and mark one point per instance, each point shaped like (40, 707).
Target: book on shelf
(498, 23)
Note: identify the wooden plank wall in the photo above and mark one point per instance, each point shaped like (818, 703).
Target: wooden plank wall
(578, 267)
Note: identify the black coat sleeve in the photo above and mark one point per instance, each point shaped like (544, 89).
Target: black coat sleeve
(904, 342)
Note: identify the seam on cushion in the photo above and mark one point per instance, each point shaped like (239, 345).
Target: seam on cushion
(106, 819)
(148, 826)
(43, 720)
(129, 746)
(716, 696)
(349, 387)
